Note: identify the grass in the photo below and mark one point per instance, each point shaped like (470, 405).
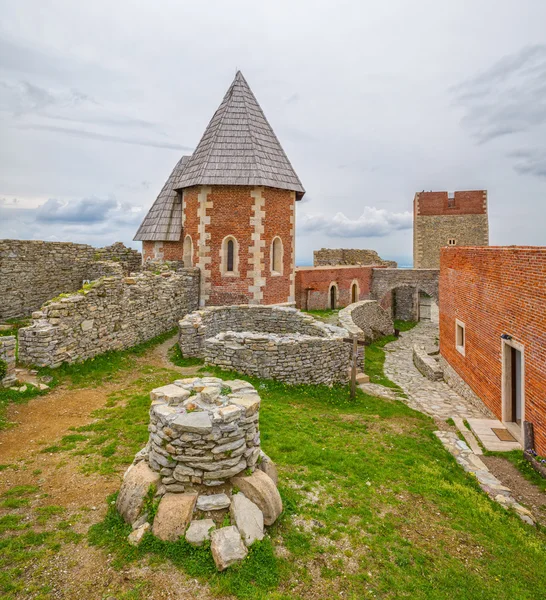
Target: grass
(92, 372)
(404, 325)
(175, 356)
(15, 325)
(322, 314)
(374, 507)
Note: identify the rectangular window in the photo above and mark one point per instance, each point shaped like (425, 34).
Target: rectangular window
(460, 336)
(452, 242)
(451, 200)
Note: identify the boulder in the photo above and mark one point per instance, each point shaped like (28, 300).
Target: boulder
(266, 465)
(135, 537)
(213, 502)
(135, 486)
(199, 531)
(227, 547)
(260, 489)
(173, 515)
(248, 519)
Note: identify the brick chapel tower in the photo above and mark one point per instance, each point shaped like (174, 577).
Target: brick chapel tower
(447, 219)
(229, 208)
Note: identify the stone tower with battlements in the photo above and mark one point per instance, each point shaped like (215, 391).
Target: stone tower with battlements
(447, 219)
(229, 208)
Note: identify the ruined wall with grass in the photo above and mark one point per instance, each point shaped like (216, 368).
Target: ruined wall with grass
(7, 360)
(112, 313)
(33, 271)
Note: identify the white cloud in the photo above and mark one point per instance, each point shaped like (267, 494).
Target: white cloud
(373, 222)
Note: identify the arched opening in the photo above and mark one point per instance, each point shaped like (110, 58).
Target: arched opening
(333, 296)
(276, 256)
(410, 303)
(355, 292)
(229, 257)
(188, 251)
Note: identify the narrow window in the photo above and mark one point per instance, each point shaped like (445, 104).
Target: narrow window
(460, 336)
(230, 256)
(452, 242)
(451, 200)
(277, 256)
(354, 293)
(188, 251)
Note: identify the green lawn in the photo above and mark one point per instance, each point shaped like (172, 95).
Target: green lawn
(374, 506)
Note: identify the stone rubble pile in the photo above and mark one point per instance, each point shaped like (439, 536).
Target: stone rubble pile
(202, 466)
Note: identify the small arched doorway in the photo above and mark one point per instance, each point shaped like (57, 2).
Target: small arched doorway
(354, 293)
(333, 297)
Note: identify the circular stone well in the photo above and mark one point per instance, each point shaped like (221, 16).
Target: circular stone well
(203, 431)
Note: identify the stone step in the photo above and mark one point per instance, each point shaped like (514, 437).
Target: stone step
(468, 435)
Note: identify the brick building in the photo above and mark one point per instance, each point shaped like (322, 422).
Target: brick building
(229, 208)
(493, 330)
(447, 219)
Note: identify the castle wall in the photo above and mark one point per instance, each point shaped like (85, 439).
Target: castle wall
(8, 345)
(439, 219)
(313, 285)
(493, 292)
(32, 271)
(346, 256)
(115, 313)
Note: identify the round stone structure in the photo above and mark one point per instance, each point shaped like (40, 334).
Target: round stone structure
(203, 431)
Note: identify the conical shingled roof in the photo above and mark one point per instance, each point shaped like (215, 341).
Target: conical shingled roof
(164, 220)
(239, 147)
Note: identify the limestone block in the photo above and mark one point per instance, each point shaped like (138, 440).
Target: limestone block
(213, 502)
(268, 467)
(87, 324)
(172, 393)
(135, 537)
(135, 486)
(260, 489)
(248, 519)
(227, 547)
(173, 516)
(199, 531)
(195, 422)
(250, 402)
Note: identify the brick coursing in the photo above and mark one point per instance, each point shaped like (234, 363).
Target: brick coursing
(163, 250)
(33, 271)
(116, 313)
(437, 219)
(495, 291)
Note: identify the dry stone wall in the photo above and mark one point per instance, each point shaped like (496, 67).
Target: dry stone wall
(271, 342)
(348, 256)
(366, 320)
(32, 271)
(7, 356)
(115, 313)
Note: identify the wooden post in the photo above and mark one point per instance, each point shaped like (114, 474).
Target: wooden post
(353, 368)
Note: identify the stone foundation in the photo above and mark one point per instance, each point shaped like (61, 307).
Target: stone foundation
(366, 320)
(7, 355)
(270, 342)
(114, 313)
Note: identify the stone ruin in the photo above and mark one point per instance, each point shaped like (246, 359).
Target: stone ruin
(203, 461)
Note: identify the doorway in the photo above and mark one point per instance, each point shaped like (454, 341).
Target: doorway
(513, 385)
(333, 297)
(354, 293)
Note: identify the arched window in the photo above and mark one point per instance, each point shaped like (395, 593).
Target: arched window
(333, 296)
(277, 256)
(229, 257)
(188, 251)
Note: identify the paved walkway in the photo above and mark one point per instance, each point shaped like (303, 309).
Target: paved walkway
(437, 399)
(434, 398)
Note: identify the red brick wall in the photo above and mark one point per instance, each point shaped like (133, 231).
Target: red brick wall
(436, 203)
(493, 291)
(319, 280)
(164, 250)
(191, 218)
(279, 205)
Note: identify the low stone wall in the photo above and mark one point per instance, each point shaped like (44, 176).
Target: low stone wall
(427, 365)
(113, 314)
(33, 271)
(7, 355)
(367, 320)
(292, 358)
(456, 382)
(196, 327)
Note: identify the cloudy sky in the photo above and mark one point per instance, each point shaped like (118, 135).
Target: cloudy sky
(372, 101)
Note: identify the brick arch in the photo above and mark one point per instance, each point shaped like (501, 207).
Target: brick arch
(386, 280)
